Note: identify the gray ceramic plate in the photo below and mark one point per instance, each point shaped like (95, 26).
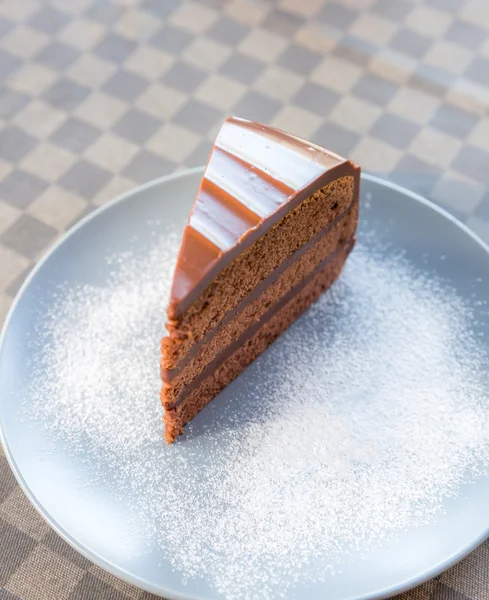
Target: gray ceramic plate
(93, 522)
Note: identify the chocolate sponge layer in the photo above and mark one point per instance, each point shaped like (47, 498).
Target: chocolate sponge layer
(254, 299)
(256, 304)
(239, 278)
(233, 359)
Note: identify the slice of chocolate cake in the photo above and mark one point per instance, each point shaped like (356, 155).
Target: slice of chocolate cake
(272, 225)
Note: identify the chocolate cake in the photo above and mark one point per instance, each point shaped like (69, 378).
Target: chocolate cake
(272, 225)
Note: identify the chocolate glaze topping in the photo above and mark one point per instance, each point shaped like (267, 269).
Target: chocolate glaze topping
(254, 175)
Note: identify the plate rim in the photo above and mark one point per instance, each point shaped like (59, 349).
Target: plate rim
(111, 567)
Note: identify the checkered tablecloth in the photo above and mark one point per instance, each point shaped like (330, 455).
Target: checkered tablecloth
(97, 96)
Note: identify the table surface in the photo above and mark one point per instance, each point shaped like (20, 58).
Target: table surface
(100, 95)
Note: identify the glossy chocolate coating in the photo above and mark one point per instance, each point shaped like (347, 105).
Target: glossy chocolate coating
(254, 175)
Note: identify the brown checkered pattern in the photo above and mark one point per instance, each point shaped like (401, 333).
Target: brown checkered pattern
(99, 95)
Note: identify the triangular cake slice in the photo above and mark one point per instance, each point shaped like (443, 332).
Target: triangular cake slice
(271, 227)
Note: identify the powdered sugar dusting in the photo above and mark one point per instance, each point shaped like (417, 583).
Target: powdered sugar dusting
(358, 422)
